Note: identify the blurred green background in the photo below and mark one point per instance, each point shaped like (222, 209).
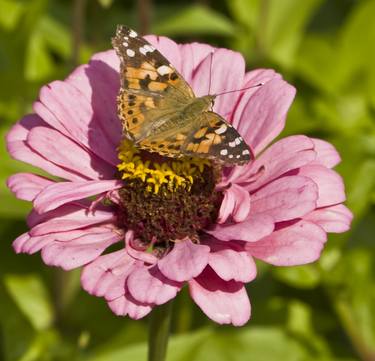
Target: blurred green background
(323, 311)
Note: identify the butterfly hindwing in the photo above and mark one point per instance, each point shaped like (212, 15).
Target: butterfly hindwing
(217, 139)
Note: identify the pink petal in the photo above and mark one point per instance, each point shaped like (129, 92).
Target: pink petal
(99, 82)
(60, 193)
(224, 70)
(168, 48)
(326, 153)
(251, 81)
(106, 276)
(18, 149)
(236, 203)
(227, 206)
(65, 153)
(149, 285)
(224, 302)
(286, 198)
(330, 184)
(21, 129)
(20, 241)
(186, 261)
(259, 76)
(78, 252)
(252, 229)
(108, 58)
(69, 217)
(27, 186)
(127, 305)
(36, 243)
(283, 156)
(75, 118)
(336, 219)
(263, 116)
(140, 255)
(230, 262)
(193, 54)
(296, 244)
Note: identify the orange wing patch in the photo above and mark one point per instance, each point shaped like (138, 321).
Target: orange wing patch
(168, 146)
(131, 109)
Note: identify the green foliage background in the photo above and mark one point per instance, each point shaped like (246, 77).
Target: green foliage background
(323, 311)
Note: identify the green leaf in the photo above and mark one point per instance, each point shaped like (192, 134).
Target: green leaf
(31, 296)
(355, 54)
(305, 277)
(317, 63)
(245, 11)
(251, 344)
(195, 19)
(56, 36)
(278, 26)
(359, 190)
(285, 23)
(38, 62)
(106, 3)
(42, 347)
(181, 348)
(300, 323)
(10, 14)
(353, 295)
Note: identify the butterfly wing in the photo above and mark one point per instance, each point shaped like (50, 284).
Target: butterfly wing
(151, 88)
(216, 139)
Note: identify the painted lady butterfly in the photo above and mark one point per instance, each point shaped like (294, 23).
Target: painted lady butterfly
(160, 112)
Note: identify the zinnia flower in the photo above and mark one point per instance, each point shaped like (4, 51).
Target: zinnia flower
(173, 222)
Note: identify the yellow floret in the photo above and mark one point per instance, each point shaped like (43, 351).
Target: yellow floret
(173, 174)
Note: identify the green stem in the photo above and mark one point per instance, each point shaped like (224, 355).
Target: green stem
(159, 332)
(77, 29)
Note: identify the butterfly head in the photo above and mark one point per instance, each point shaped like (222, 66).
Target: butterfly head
(208, 101)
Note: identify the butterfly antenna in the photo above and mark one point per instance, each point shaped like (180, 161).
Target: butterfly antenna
(238, 90)
(209, 81)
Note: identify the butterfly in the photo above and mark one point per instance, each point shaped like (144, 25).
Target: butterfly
(160, 113)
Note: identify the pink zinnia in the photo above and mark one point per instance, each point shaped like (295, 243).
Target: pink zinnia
(278, 208)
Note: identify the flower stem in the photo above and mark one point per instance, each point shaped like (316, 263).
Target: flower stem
(77, 29)
(159, 332)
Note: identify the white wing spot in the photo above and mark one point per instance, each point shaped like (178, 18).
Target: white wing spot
(132, 34)
(230, 156)
(125, 44)
(146, 49)
(163, 70)
(224, 152)
(237, 141)
(130, 52)
(232, 144)
(246, 151)
(142, 50)
(149, 48)
(238, 156)
(222, 129)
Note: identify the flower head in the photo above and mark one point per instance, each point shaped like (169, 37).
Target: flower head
(176, 222)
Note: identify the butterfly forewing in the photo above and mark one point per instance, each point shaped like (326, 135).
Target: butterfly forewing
(151, 88)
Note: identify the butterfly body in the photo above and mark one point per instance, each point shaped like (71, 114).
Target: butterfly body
(160, 112)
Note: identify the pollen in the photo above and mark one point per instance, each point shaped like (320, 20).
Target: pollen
(167, 176)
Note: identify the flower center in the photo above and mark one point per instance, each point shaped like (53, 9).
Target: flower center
(163, 199)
